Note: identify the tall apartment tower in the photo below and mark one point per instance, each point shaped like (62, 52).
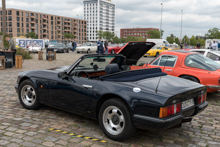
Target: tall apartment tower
(100, 15)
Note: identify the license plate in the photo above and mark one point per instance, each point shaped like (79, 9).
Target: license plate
(187, 104)
(146, 54)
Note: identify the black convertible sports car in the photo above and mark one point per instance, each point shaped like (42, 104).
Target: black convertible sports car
(60, 48)
(101, 87)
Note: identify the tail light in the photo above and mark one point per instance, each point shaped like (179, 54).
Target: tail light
(170, 110)
(202, 98)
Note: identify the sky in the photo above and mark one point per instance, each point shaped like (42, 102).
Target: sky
(198, 15)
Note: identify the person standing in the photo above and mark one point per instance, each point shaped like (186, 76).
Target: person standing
(12, 47)
(214, 45)
(198, 45)
(106, 46)
(181, 45)
(73, 46)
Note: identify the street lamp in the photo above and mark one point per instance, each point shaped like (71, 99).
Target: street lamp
(161, 19)
(181, 26)
(77, 29)
(4, 17)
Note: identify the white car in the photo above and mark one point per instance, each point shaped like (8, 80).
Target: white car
(212, 54)
(87, 47)
(34, 48)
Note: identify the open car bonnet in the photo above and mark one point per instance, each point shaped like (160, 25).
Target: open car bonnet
(133, 51)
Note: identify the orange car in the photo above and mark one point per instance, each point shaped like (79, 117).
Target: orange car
(188, 65)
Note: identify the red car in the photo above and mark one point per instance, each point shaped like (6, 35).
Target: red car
(188, 48)
(184, 64)
(114, 48)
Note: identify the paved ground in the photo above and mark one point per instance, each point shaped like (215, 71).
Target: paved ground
(21, 127)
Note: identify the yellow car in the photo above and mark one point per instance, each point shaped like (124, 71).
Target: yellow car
(155, 51)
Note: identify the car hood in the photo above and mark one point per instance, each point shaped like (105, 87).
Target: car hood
(133, 51)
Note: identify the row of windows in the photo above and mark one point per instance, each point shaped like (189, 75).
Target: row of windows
(136, 30)
(134, 33)
(142, 36)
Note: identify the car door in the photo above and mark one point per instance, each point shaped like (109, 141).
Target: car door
(71, 93)
(166, 63)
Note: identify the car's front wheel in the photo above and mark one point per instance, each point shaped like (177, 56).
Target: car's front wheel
(115, 120)
(28, 96)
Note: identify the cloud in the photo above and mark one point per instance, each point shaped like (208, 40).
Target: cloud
(198, 15)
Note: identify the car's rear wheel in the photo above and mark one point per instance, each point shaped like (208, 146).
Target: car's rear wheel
(77, 52)
(115, 120)
(190, 78)
(28, 96)
(113, 51)
(88, 51)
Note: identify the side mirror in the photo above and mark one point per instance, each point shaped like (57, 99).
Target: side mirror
(62, 75)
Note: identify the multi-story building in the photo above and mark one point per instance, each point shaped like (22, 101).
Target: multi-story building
(136, 32)
(100, 16)
(45, 26)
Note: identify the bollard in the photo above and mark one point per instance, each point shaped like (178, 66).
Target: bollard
(18, 61)
(50, 55)
(2, 62)
(54, 57)
(40, 55)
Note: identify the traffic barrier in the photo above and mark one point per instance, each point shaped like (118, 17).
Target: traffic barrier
(40, 55)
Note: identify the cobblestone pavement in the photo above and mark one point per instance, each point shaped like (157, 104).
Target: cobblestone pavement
(21, 127)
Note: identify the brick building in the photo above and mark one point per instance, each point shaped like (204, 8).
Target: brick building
(136, 32)
(45, 26)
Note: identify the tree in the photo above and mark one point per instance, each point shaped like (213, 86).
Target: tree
(105, 35)
(171, 39)
(155, 34)
(177, 41)
(100, 34)
(213, 34)
(31, 35)
(193, 41)
(116, 39)
(68, 36)
(1, 33)
(5, 42)
(201, 42)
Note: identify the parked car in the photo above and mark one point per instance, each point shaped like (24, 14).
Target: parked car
(155, 51)
(87, 47)
(188, 65)
(61, 48)
(98, 87)
(34, 48)
(51, 45)
(114, 48)
(212, 54)
(188, 48)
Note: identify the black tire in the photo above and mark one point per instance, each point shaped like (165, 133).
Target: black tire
(88, 51)
(32, 97)
(157, 54)
(78, 52)
(127, 128)
(190, 78)
(67, 50)
(113, 51)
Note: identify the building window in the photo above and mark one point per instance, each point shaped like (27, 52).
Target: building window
(27, 14)
(17, 13)
(27, 19)
(9, 18)
(36, 20)
(18, 24)
(21, 13)
(10, 24)
(51, 27)
(9, 12)
(36, 15)
(51, 22)
(18, 18)
(22, 25)
(27, 25)
(27, 31)
(18, 30)
(10, 29)
(51, 17)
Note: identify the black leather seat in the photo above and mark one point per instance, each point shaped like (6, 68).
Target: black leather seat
(112, 68)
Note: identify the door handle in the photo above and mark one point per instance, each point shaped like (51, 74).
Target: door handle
(168, 69)
(87, 86)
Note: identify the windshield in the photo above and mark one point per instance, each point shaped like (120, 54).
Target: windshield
(113, 45)
(157, 47)
(201, 62)
(59, 45)
(86, 44)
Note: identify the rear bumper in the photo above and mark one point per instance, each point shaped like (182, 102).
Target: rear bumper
(152, 123)
(213, 87)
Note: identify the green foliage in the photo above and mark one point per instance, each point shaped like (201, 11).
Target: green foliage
(25, 54)
(201, 42)
(105, 35)
(177, 41)
(68, 35)
(100, 34)
(31, 35)
(1, 33)
(116, 39)
(5, 42)
(171, 39)
(213, 34)
(155, 34)
(193, 41)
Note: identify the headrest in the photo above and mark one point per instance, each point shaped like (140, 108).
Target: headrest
(112, 68)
